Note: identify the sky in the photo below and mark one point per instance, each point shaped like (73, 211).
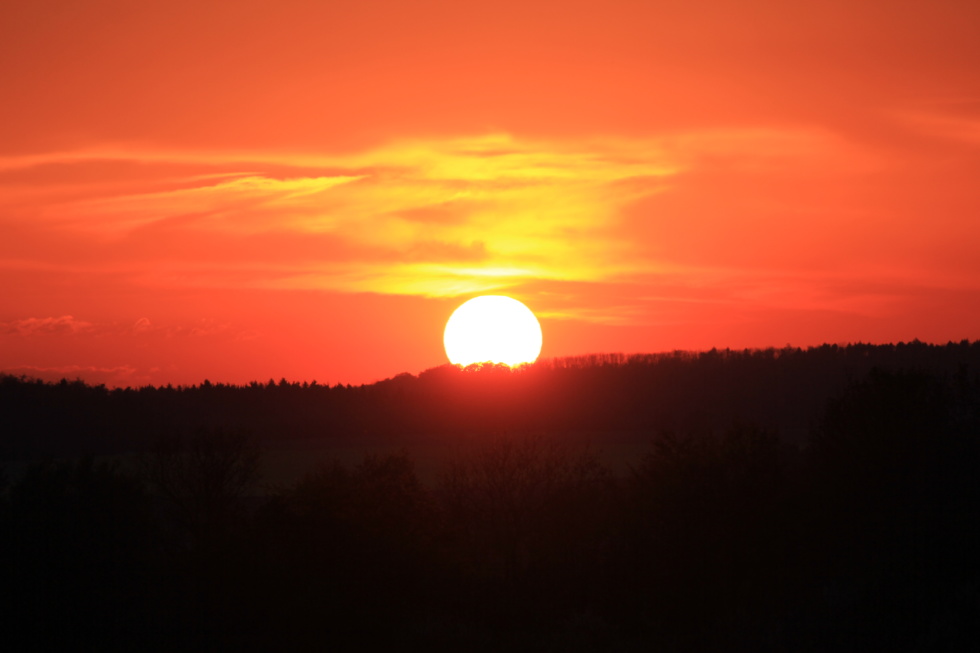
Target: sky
(247, 190)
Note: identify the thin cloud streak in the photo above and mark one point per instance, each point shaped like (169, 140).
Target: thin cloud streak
(431, 218)
(31, 326)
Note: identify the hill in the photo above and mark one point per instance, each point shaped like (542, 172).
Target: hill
(719, 537)
(613, 397)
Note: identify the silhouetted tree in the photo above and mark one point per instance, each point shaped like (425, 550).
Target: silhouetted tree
(203, 481)
(709, 537)
(347, 555)
(527, 520)
(895, 509)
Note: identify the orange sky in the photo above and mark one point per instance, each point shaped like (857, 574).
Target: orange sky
(306, 190)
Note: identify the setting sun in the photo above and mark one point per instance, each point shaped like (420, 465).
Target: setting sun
(494, 329)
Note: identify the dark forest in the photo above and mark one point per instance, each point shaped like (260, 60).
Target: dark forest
(823, 499)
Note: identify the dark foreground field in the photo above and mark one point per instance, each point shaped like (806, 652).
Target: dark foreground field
(819, 500)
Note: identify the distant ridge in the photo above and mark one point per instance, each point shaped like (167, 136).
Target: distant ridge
(620, 395)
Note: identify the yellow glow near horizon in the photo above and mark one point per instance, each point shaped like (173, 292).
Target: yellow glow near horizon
(492, 329)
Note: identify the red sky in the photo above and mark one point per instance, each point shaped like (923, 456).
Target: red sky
(246, 190)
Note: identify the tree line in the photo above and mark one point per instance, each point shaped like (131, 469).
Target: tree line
(615, 395)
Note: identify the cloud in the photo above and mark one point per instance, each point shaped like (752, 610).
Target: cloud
(67, 325)
(32, 326)
(235, 201)
(115, 376)
(946, 125)
(443, 217)
(416, 217)
(142, 325)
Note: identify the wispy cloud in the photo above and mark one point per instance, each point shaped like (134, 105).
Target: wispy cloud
(418, 217)
(946, 125)
(115, 376)
(423, 217)
(708, 211)
(32, 326)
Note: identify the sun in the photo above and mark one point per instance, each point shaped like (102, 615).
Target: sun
(494, 329)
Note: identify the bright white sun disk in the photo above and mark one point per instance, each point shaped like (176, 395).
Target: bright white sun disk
(494, 329)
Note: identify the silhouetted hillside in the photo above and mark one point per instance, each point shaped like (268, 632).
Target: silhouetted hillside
(614, 395)
(717, 540)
